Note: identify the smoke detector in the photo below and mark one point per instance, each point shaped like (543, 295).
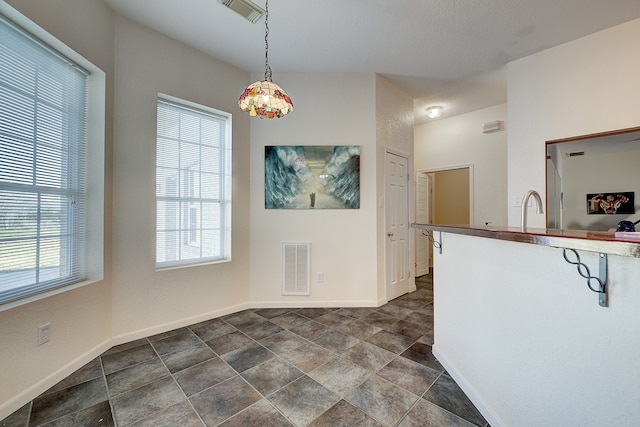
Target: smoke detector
(246, 8)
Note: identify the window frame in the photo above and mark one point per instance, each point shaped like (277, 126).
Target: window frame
(184, 174)
(91, 247)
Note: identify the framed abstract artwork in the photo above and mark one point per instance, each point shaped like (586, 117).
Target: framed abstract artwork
(610, 203)
(312, 177)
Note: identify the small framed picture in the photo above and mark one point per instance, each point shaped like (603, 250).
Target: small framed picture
(610, 203)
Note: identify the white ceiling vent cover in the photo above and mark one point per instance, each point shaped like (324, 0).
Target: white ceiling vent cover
(492, 126)
(246, 8)
(295, 268)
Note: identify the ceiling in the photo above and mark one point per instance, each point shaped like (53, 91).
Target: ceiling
(626, 140)
(451, 53)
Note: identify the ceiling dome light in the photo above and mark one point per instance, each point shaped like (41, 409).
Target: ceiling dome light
(434, 111)
(265, 99)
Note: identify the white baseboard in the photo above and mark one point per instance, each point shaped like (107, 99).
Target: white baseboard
(492, 418)
(19, 400)
(181, 323)
(316, 304)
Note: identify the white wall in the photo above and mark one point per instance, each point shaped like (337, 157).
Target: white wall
(586, 86)
(333, 118)
(603, 173)
(394, 133)
(458, 141)
(342, 241)
(81, 318)
(520, 324)
(133, 300)
(147, 301)
(355, 109)
(519, 330)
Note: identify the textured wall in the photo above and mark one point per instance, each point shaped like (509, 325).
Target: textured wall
(459, 141)
(586, 86)
(519, 330)
(80, 318)
(330, 109)
(145, 300)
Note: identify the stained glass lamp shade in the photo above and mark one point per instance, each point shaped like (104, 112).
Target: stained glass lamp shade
(266, 100)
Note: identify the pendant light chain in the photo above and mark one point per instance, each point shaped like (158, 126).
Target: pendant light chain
(265, 99)
(267, 67)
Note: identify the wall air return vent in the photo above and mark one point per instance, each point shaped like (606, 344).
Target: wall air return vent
(246, 8)
(489, 127)
(295, 268)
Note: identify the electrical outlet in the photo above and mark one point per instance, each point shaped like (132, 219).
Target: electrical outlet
(319, 277)
(44, 333)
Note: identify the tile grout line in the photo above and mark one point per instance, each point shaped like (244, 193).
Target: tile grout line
(338, 355)
(304, 374)
(372, 373)
(106, 385)
(29, 416)
(330, 328)
(422, 397)
(239, 374)
(176, 381)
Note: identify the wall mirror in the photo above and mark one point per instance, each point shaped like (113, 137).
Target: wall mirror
(593, 181)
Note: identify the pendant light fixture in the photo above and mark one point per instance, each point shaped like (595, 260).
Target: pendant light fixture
(265, 99)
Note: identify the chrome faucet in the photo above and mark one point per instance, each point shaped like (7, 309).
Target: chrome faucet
(525, 201)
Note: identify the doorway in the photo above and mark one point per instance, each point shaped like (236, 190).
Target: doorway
(423, 216)
(443, 196)
(396, 220)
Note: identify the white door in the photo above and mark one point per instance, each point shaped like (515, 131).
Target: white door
(396, 217)
(422, 217)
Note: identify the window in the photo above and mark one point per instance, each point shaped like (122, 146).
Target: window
(193, 184)
(44, 130)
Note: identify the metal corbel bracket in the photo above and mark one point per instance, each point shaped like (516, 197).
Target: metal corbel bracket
(583, 271)
(436, 244)
(602, 275)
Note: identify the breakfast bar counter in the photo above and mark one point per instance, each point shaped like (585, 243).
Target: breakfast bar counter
(624, 244)
(527, 337)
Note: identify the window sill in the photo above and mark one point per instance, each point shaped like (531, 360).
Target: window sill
(46, 294)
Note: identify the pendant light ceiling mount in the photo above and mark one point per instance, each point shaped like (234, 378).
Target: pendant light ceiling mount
(245, 8)
(265, 99)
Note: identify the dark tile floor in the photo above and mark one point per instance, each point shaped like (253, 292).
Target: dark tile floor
(269, 367)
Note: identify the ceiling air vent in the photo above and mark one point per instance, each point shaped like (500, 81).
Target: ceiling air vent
(492, 126)
(246, 8)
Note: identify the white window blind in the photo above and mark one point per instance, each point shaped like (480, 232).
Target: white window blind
(43, 113)
(193, 184)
